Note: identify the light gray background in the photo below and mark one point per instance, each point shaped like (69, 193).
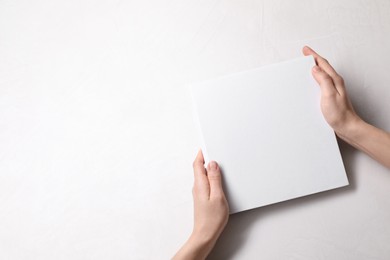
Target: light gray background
(97, 135)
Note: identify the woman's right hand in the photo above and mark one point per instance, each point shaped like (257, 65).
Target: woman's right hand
(340, 115)
(335, 104)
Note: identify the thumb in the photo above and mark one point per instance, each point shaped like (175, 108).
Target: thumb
(215, 180)
(325, 81)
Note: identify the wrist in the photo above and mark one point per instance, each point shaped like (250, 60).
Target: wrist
(194, 249)
(351, 131)
(200, 240)
(201, 244)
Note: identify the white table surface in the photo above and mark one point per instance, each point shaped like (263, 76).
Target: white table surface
(97, 135)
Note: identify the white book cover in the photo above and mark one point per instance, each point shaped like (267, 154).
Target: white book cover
(265, 129)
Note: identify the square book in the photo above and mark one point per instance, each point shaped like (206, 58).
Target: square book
(265, 129)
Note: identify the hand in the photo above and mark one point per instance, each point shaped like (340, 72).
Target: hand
(335, 105)
(340, 115)
(211, 210)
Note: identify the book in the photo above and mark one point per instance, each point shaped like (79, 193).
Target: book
(265, 129)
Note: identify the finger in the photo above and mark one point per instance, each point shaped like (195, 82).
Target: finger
(325, 82)
(323, 63)
(201, 182)
(215, 180)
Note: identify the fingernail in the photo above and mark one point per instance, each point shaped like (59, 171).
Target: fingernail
(316, 69)
(213, 165)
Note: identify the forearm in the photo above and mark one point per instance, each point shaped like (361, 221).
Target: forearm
(195, 249)
(369, 139)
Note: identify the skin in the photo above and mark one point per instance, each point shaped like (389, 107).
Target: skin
(340, 115)
(211, 210)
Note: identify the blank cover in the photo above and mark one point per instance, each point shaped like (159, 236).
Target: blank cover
(265, 129)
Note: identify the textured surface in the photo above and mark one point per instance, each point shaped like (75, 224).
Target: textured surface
(97, 135)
